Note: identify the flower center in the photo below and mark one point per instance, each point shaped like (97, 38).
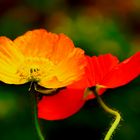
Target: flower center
(35, 74)
(35, 68)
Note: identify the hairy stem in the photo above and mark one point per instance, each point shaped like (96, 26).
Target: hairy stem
(112, 112)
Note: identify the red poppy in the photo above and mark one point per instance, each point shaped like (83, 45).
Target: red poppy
(105, 71)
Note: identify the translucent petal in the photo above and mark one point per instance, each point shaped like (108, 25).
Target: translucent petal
(123, 73)
(61, 105)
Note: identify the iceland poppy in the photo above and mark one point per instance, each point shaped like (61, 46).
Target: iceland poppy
(49, 60)
(105, 71)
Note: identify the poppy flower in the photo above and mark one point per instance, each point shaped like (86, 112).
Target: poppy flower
(50, 60)
(105, 71)
(62, 105)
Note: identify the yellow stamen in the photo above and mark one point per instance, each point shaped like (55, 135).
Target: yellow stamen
(35, 68)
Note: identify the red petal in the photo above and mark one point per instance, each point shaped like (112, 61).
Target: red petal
(123, 72)
(101, 65)
(96, 69)
(62, 105)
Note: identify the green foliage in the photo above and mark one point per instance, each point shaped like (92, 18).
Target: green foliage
(96, 36)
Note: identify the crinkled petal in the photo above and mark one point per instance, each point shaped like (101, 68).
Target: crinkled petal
(40, 43)
(123, 73)
(102, 65)
(62, 49)
(62, 105)
(68, 61)
(10, 58)
(67, 71)
(96, 69)
(37, 43)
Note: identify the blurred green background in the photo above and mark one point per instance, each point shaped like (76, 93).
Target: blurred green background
(97, 26)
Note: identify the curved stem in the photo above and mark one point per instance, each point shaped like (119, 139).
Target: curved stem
(111, 111)
(38, 129)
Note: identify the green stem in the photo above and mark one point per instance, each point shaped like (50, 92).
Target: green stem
(111, 111)
(38, 129)
(33, 94)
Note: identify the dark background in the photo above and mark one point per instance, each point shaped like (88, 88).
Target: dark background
(97, 26)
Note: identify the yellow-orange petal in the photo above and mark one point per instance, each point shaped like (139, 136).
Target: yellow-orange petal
(8, 51)
(62, 48)
(49, 59)
(68, 61)
(40, 43)
(37, 43)
(10, 57)
(67, 71)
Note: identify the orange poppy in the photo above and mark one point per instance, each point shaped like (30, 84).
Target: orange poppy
(50, 60)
